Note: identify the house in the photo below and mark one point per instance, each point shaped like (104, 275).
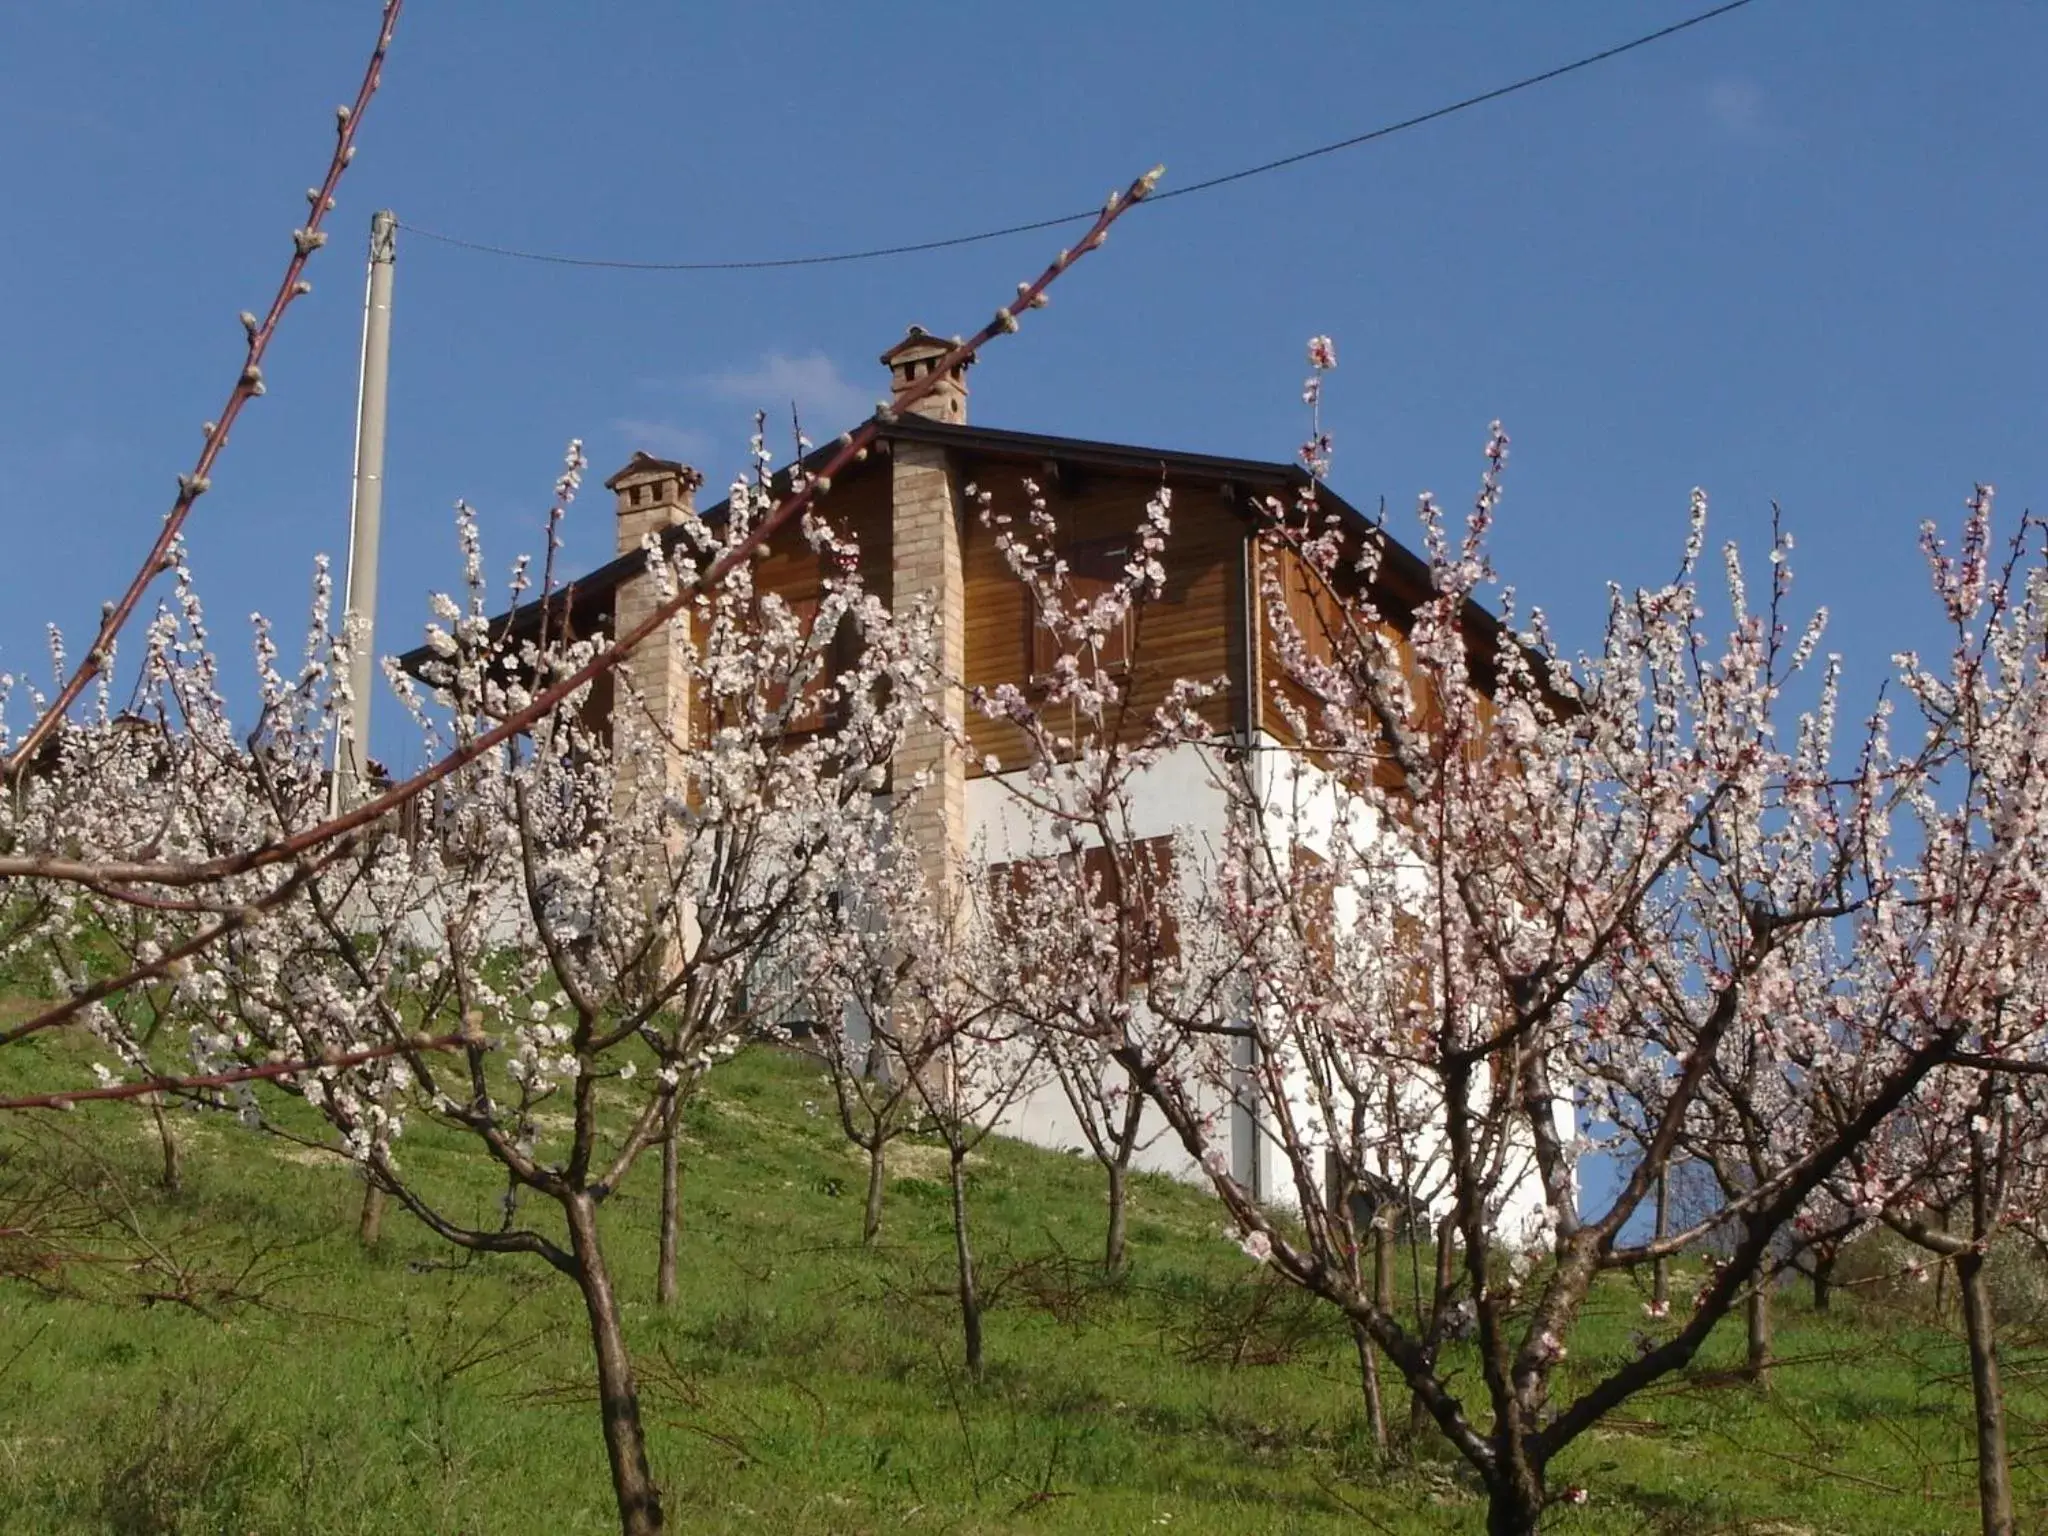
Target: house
(919, 537)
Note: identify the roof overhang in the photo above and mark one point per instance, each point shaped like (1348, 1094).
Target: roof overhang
(586, 602)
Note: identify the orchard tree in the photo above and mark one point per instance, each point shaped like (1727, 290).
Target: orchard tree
(915, 1036)
(1963, 1161)
(589, 955)
(1110, 1113)
(852, 1003)
(1084, 920)
(501, 931)
(1969, 1163)
(881, 992)
(1563, 895)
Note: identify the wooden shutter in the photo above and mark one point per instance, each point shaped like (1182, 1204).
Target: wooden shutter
(1311, 607)
(810, 713)
(1094, 566)
(1149, 863)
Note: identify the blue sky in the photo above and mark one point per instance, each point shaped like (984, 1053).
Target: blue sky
(1793, 253)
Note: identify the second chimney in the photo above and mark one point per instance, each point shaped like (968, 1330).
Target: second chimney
(911, 361)
(654, 494)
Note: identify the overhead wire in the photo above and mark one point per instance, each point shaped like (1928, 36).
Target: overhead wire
(1209, 184)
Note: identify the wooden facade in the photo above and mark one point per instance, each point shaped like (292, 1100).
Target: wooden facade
(922, 537)
(1194, 630)
(1210, 624)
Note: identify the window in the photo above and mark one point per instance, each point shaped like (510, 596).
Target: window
(1314, 884)
(1310, 607)
(1094, 566)
(1139, 885)
(820, 651)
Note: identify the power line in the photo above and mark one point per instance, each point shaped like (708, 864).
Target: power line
(759, 265)
(1457, 106)
(1386, 130)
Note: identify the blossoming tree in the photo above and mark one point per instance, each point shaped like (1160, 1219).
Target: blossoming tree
(546, 967)
(1494, 906)
(553, 964)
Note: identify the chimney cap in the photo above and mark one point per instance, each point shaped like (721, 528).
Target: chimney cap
(919, 342)
(644, 466)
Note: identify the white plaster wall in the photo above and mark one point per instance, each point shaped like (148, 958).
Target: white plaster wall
(1303, 807)
(1179, 792)
(1044, 1118)
(1181, 795)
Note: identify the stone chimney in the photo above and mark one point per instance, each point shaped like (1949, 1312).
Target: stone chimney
(911, 360)
(653, 494)
(927, 547)
(650, 716)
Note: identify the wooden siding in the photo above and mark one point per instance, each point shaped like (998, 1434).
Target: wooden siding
(1318, 617)
(1192, 631)
(858, 506)
(791, 569)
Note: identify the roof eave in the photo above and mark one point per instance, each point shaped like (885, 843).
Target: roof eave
(1407, 573)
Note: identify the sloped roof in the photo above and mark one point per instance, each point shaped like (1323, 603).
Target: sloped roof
(643, 463)
(1403, 573)
(918, 339)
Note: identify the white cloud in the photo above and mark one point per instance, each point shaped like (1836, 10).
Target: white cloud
(825, 400)
(665, 439)
(1736, 105)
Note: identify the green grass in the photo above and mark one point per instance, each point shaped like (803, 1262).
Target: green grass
(802, 1385)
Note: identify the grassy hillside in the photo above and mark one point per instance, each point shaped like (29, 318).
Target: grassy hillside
(803, 1385)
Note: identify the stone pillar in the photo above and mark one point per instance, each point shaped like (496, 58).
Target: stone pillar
(927, 547)
(651, 698)
(927, 536)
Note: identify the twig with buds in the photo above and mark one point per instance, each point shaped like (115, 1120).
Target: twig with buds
(270, 1071)
(248, 384)
(852, 447)
(172, 961)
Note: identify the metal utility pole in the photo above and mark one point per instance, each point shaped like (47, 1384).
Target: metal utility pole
(352, 746)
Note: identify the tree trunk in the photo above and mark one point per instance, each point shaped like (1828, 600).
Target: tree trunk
(1514, 1504)
(618, 1397)
(1941, 1270)
(1756, 1364)
(370, 1223)
(671, 1205)
(1113, 1248)
(1383, 1288)
(1660, 1268)
(1383, 1267)
(1369, 1380)
(1824, 1281)
(174, 1174)
(871, 1217)
(1994, 1474)
(1419, 1416)
(1368, 1355)
(970, 1298)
